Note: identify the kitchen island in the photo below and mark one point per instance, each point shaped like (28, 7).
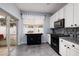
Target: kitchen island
(34, 39)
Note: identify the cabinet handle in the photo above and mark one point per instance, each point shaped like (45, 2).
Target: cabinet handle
(61, 40)
(64, 45)
(71, 25)
(75, 24)
(68, 47)
(73, 45)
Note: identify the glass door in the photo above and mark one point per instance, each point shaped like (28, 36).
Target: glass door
(3, 36)
(13, 34)
(8, 33)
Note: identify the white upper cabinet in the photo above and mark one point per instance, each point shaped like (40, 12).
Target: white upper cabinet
(69, 15)
(76, 14)
(61, 13)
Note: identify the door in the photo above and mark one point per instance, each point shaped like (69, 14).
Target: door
(13, 33)
(5, 33)
(3, 36)
(69, 15)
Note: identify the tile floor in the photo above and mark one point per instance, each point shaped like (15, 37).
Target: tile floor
(34, 50)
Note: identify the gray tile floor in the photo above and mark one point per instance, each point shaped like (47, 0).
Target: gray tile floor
(34, 50)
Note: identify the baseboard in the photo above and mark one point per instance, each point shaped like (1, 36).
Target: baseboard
(44, 42)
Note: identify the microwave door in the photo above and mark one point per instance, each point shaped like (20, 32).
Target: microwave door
(59, 23)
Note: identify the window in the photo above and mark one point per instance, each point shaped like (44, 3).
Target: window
(33, 23)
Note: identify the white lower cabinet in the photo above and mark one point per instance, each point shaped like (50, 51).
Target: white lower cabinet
(62, 47)
(67, 48)
(49, 38)
(74, 52)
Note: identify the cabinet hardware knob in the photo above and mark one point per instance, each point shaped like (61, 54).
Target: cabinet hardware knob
(71, 25)
(64, 45)
(73, 45)
(61, 40)
(67, 47)
(75, 24)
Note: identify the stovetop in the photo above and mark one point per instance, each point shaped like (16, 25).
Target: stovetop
(60, 35)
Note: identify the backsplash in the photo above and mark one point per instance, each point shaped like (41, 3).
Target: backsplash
(59, 31)
(73, 32)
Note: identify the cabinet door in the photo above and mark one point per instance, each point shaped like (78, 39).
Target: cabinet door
(48, 38)
(76, 14)
(72, 49)
(74, 52)
(69, 15)
(62, 47)
(61, 13)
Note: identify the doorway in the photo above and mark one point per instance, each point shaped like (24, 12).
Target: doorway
(8, 33)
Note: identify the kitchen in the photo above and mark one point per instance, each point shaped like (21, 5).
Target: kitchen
(66, 27)
(57, 29)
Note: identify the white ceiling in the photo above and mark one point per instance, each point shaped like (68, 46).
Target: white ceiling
(40, 7)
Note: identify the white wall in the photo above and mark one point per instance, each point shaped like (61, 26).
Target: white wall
(46, 28)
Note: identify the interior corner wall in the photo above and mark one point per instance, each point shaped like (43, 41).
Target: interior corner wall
(47, 24)
(46, 28)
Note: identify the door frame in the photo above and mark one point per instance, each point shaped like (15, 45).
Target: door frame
(8, 17)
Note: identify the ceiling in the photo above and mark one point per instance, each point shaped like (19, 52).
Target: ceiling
(40, 7)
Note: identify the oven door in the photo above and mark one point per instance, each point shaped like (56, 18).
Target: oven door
(55, 43)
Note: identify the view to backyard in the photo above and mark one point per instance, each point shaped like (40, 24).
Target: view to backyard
(3, 35)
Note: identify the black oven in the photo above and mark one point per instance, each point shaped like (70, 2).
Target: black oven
(59, 24)
(55, 42)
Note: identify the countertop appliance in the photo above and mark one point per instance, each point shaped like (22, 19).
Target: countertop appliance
(59, 24)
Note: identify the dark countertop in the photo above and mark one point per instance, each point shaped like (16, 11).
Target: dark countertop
(70, 40)
(34, 34)
(60, 35)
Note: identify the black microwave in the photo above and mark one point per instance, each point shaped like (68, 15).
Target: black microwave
(59, 24)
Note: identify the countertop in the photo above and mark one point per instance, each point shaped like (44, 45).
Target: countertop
(70, 40)
(33, 33)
